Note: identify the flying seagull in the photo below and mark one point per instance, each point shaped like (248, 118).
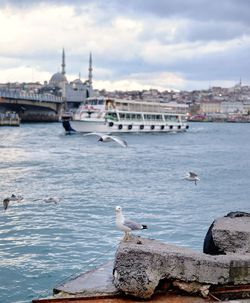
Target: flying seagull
(192, 177)
(6, 202)
(125, 224)
(108, 138)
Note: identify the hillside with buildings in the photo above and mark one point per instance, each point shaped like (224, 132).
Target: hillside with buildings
(216, 103)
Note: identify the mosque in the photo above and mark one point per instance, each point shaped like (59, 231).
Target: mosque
(73, 92)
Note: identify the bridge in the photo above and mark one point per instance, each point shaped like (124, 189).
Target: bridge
(31, 107)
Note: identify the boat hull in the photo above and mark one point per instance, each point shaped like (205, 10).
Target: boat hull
(84, 126)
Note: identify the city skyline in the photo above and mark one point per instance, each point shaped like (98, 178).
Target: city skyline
(135, 45)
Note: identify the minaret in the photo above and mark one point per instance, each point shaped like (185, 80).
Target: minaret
(90, 70)
(63, 62)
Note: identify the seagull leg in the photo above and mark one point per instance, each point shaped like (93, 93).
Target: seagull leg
(127, 236)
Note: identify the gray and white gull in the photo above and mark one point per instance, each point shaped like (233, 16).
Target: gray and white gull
(192, 177)
(126, 225)
(108, 138)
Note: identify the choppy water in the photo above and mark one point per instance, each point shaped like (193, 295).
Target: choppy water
(42, 244)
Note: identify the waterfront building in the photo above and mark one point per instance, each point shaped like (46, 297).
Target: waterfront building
(232, 107)
(210, 107)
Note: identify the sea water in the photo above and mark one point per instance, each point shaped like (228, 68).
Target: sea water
(43, 244)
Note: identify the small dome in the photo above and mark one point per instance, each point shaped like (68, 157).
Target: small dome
(77, 81)
(57, 79)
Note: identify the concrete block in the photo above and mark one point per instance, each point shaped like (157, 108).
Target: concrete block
(140, 265)
(228, 234)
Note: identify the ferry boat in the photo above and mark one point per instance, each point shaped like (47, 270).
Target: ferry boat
(108, 115)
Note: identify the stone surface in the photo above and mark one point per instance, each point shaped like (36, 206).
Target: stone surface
(94, 282)
(140, 265)
(229, 234)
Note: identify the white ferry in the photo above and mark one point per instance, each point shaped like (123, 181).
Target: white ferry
(107, 115)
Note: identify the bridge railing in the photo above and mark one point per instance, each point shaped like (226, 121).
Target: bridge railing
(29, 96)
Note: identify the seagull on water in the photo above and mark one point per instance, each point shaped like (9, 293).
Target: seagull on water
(52, 200)
(192, 177)
(108, 138)
(17, 198)
(126, 225)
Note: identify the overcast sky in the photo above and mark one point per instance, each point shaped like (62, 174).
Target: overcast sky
(135, 44)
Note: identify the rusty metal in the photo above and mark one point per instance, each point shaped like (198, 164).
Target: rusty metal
(231, 292)
(159, 298)
(217, 294)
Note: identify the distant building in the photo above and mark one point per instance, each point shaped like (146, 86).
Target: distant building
(232, 107)
(73, 92)
(208, 107)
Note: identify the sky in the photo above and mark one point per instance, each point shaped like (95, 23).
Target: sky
(135, 44)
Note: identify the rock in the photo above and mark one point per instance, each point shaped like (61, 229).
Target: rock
(193, 287)
(229, 234)
(139, 268)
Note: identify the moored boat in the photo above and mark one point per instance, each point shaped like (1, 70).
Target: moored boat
(108, 115)
(9, 119)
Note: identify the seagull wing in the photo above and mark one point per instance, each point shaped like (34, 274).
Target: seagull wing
(94, 134)
(193, 174)
(132, 225)
(119, 141)
(6, 203)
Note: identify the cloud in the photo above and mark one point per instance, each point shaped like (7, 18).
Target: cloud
(183, 42)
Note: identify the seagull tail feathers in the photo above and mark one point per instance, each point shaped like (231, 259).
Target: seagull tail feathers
(144, 227)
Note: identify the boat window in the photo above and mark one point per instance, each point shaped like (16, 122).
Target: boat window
(100, 102)
(171, 118)
(122, 116)
(111, 116)
(131, 116)
(148, 117)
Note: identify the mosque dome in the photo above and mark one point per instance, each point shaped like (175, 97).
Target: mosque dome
(58, 79)
(77, 81)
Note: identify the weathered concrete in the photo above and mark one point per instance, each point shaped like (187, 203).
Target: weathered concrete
(229, 234)
(140, 265)
(97, 282)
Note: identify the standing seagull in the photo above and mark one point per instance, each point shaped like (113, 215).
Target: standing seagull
(108, 138)
(192, 177)
(6, 202)
(126, 225)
